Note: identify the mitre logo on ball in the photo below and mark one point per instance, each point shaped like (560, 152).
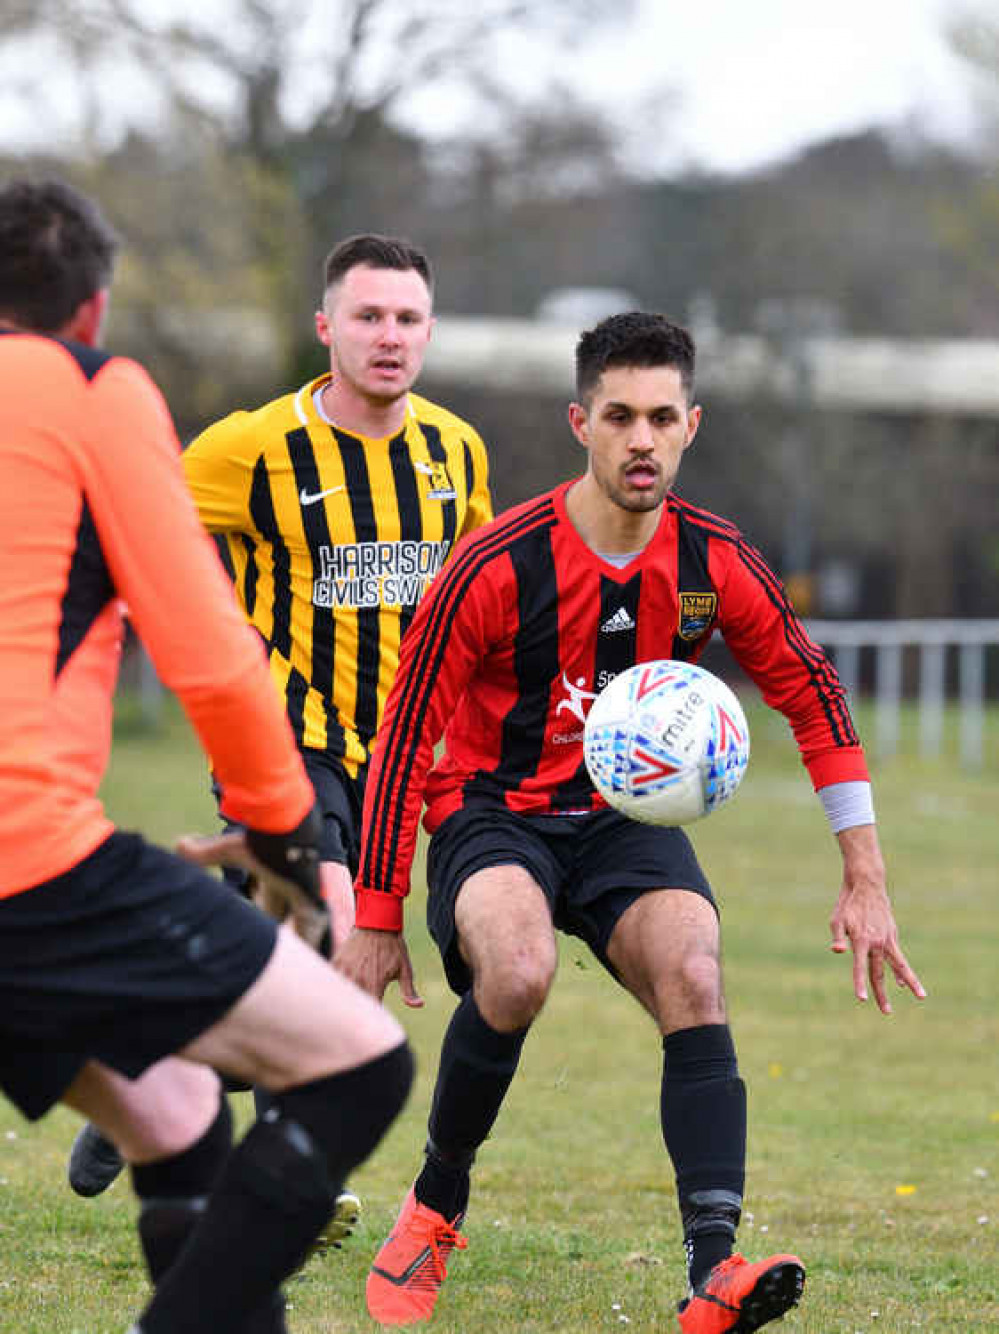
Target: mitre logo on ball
(666, 742)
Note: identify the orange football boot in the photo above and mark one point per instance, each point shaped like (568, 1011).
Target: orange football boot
(409, 1269)
(739, 1296)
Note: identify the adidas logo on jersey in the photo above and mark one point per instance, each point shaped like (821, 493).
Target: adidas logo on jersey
(618, 622)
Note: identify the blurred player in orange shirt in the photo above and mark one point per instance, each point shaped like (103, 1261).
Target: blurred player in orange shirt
(127, 975)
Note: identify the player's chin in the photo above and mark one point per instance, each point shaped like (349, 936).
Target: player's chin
(640, 501)
(389, 389)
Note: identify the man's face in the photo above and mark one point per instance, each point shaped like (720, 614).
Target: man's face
(636, 427)
(376, 323)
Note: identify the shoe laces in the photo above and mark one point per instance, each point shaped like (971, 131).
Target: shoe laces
(444, 1239)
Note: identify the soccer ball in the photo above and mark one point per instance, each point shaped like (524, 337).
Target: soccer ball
(666, 742)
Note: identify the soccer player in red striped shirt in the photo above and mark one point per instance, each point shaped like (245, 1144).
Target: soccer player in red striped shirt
(534, 614)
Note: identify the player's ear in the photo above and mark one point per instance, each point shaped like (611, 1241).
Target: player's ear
(323, 331)
(579, 423)
(693, 422)
(86, 324)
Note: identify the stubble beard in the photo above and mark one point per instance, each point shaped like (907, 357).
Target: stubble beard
(637, 502)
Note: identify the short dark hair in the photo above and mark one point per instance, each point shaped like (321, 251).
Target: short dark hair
(634, 338)
(377, 252)
(56, 251)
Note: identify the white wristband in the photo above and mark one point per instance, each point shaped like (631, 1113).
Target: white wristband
(847, 804)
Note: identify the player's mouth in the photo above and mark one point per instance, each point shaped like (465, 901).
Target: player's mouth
(642, 476)
(387, 365)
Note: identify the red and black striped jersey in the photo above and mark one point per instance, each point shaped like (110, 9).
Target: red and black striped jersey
(520, 632)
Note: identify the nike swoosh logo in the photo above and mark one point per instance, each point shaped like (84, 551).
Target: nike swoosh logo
(310, 497)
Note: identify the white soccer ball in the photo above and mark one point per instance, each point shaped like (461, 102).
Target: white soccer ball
(666, 742)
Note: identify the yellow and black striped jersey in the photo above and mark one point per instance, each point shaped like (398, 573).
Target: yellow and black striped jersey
(332, 540)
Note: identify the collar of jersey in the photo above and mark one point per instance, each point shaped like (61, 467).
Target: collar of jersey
(612, 571)
(308, 415)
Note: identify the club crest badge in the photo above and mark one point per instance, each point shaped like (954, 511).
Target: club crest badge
(441, 486)
(697, 611)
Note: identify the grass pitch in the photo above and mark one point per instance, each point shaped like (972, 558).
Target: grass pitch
(873, 1146)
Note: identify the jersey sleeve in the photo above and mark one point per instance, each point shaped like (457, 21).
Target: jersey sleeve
(218, 465)
(794, 673)
(480, 505)
(166, 569)
(441, 651)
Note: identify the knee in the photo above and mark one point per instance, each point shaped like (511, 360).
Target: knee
(328, 1108)
(166, 1111)
(511, 995)
(700, 982)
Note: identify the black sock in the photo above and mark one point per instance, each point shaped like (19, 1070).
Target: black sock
(703, 1109)
(173, 1192)
(275, 1193)
(476, 1066)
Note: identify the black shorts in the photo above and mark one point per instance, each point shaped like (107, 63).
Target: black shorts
(124, 959)
(590, 867)
(341, 804)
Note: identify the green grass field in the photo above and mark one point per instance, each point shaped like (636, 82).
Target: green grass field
(874, 1143)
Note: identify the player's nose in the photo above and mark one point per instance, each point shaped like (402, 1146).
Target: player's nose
(641, 440)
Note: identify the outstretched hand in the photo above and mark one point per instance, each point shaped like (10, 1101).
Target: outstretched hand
(373, 959)
(864, 922)
(279, 897)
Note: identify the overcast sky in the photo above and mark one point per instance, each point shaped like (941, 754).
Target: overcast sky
(761, 78)
(756, 79)
(742, 82)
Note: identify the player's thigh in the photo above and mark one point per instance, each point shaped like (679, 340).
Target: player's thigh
(504, 928)
(665, 950)
(299, 1021)
(161, 1113)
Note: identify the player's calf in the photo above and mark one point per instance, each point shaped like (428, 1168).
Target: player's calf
(276, 1191)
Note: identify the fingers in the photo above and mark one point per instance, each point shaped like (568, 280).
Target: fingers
(905, 976)
(869, 966)
(860, 972)
(216, 850)
(840, 943)
(876, 971)
(311, 923)
(407, 985)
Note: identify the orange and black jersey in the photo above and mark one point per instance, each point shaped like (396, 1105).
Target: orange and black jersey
(519, 634)
(332, 540)
(94, 515)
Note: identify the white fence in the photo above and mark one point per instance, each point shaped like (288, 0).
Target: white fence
(932, 640)
(846, 640)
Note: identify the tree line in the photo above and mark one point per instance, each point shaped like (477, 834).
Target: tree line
(228, 209)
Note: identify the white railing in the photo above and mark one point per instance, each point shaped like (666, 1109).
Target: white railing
(931, 639)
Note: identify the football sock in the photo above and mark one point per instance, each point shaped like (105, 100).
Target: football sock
(444, 1183)
(275, 1192)
(173, 1192)
(703, 1111)
(476, 1066)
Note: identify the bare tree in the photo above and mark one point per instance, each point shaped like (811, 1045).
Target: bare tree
(265, 70)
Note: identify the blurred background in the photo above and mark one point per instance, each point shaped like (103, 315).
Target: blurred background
(815, 194)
